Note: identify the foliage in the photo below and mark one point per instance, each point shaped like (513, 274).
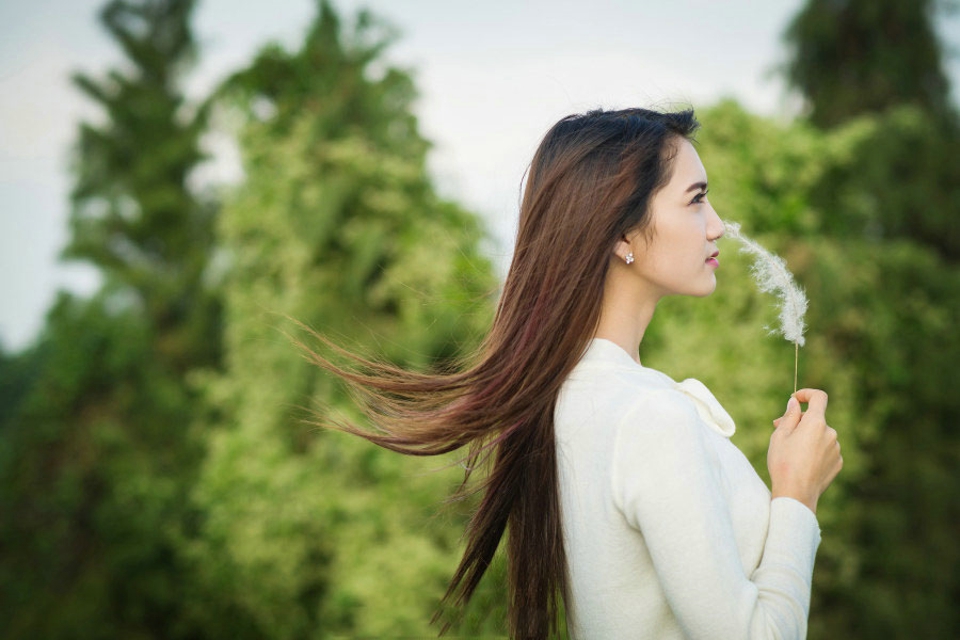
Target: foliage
(93, 481)
(899, 179)
(335, 225)
(853, 57)
(98, 452)
(157, 474)
(134, 216)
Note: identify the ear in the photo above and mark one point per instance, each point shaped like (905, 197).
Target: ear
(622, 248)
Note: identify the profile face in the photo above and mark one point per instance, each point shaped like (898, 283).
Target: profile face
(678, 256)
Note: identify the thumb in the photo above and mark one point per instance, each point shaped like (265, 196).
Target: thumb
(792, 415)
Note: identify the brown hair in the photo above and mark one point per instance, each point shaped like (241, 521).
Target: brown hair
(589, 184)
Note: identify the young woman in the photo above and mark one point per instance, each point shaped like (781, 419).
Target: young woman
(618, 488)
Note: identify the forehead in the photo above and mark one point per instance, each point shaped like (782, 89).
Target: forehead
(687, 167)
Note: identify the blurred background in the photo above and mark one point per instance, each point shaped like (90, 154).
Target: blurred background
(180, 178)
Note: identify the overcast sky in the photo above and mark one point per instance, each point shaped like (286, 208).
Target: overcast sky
(493, 77)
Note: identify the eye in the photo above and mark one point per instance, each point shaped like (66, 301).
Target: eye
(698, 199)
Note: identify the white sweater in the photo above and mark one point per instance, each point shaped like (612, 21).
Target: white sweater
(669, 531)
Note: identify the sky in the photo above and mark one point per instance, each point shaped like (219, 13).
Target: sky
(493, 76)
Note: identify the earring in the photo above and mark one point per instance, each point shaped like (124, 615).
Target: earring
(628, 258)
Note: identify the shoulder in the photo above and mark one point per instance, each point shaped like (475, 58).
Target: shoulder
(598, 395)
(606, 371)
(661, 419)
(666, 429)
(608, 392)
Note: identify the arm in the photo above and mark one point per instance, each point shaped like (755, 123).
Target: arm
(667, 484)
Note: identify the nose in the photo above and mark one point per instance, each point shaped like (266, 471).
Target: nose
(714, 225)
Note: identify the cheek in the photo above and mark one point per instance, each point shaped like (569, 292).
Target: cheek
(675, 242)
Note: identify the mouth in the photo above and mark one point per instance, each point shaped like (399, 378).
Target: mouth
(712, 260)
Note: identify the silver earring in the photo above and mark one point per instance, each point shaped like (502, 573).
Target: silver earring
(628, 258)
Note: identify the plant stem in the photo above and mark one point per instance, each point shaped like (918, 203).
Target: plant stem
(796, 364)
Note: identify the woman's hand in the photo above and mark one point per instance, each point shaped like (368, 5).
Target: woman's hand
(804, 455)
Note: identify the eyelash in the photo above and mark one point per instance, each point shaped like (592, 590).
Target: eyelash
(697, 199)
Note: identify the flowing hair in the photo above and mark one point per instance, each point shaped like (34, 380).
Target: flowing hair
(589, 184)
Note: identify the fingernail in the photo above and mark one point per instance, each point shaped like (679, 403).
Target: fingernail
(791, 403)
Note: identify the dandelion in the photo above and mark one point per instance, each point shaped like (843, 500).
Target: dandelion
(772, 276)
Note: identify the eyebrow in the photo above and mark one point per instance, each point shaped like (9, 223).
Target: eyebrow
(697, 186)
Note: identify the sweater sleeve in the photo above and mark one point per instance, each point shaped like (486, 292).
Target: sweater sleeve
(667, 483)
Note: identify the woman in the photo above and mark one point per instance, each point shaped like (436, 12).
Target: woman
(618, 488)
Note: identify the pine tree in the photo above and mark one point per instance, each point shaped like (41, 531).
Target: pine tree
(135, 216)
(850, 57)
(98, 456)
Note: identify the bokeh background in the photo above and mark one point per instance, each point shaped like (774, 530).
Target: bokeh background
(208, 170)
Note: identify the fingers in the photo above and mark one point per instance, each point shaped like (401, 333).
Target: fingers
(816, 399)
(816, 408)
(831, 444)
(804, 454)
(831, 450)
(837, 461)
(791, 416)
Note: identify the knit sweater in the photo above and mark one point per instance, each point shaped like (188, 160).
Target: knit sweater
(669, 532)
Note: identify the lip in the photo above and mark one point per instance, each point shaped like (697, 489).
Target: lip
(712, 260)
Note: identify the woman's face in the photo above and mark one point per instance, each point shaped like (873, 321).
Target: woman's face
(679, 254)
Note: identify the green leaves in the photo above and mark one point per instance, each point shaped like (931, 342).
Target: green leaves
(336, 225)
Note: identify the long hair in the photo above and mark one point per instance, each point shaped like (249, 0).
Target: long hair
(589, 184)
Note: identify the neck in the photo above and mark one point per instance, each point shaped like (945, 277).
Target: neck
(625, 313)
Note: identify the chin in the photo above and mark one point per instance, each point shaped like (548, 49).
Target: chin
(706, 291)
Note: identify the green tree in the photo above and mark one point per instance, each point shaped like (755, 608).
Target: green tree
(92, 489)
(97, 453)
(135, 216)
(850, 57)
(336, 224)
(882, 59)
(899, 180)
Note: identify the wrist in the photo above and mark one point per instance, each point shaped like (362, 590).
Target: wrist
(808, 501)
